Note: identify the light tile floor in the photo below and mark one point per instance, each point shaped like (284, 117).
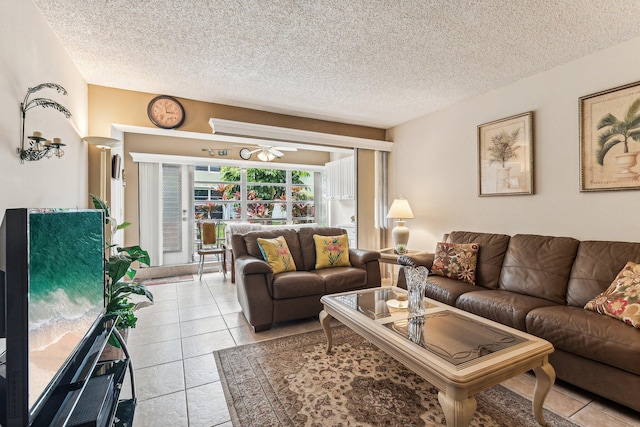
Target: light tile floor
(177, 382)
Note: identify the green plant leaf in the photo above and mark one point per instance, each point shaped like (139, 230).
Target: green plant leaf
(113, 341)
(98, 203)
(118, 266)
(136, 253)
(126, 288)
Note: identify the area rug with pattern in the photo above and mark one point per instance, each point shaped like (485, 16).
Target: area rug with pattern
(291, 381)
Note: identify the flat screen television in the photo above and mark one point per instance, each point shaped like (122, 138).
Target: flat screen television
(52, 284)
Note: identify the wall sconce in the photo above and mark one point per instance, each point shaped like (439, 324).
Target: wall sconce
(40, 147)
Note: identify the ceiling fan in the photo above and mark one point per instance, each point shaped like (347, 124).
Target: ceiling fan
(266, 153)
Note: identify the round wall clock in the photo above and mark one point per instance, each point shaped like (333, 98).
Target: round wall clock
(245, 154)
(166, 112)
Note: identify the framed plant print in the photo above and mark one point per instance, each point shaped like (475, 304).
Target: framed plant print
(505, 156)
(610, 139)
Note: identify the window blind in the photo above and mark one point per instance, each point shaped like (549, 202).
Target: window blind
(171, 209)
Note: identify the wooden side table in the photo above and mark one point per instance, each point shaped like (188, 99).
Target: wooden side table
(389, 256)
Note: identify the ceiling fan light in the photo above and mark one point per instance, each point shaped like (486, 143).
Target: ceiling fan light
(265, 156)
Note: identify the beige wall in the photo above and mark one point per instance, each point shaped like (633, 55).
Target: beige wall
(109, 106)
(434, 161)
(368, 235)
(30, 54)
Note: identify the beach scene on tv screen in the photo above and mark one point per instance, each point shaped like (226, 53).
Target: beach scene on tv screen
(66, 288)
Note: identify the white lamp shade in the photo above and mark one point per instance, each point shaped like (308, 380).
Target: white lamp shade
(102, 142)
(400, 209)
(265, 156)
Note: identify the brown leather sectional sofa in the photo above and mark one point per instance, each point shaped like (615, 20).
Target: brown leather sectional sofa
(267, 298)
(540, 284)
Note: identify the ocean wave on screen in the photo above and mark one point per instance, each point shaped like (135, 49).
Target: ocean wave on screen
(50, 320)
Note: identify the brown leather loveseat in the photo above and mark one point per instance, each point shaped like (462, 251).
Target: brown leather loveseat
(266, 298)
(540, 284)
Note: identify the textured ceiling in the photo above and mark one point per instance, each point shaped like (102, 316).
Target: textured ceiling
(376, 63)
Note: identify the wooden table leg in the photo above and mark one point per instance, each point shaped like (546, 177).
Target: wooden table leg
(458, 413)
(545, 377)
(325, 321)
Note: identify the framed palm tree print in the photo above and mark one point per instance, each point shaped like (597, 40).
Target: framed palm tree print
(610, 139)
(505, 156)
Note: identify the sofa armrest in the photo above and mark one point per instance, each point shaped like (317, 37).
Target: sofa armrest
(360, 257)
(417, 259)
(414, 260)
(368, 261)
(251, 265)
(254, 281)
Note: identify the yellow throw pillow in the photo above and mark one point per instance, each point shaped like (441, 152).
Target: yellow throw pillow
(332, 251)
(276, 253)
(621, 300)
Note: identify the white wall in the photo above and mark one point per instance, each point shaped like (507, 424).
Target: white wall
(30, 54)
(434, 160)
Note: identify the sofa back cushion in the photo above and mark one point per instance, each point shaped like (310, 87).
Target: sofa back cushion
(290, 236)
(597, 264)
(491, 252)
(308, 246)
(539, 266)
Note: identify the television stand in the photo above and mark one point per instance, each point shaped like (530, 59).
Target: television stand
(88, 394)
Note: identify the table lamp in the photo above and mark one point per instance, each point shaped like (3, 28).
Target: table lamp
(400, 210)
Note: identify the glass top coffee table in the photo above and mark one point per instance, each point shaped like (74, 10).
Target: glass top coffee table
(457, 352)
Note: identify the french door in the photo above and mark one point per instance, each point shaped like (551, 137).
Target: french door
(177, 229)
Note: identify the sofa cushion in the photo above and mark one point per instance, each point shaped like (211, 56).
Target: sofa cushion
(508, 308)
(308, 247)
(596, 265)
(538, 266)
(588, 334)
(277, 254)
(294, 284)
(491, 251)
(446, 290)
(342, 279)
(291, 236)
(331, 251)
(456, 261)
(621, 299)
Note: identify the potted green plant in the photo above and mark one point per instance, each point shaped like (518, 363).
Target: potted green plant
(620, 131)
(118, 265)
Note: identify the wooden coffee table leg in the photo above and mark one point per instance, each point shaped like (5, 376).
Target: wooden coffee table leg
(325, 321)
(545, 377)
(458, 413)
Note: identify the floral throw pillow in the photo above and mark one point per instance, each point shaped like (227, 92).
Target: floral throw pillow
(456, 261)
(331, 251)
(621, 300)
(276, 253)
